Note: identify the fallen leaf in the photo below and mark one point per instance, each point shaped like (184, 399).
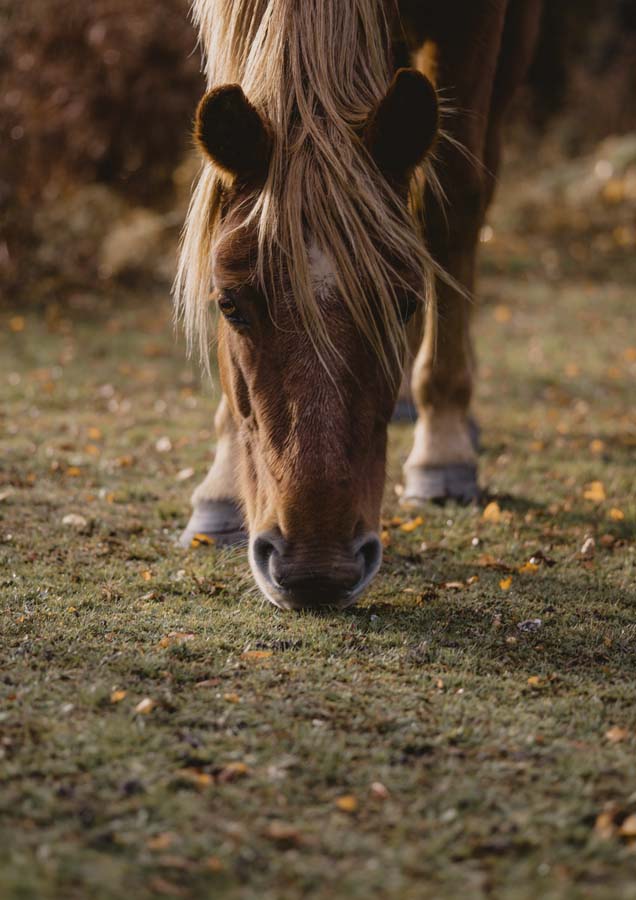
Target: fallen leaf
(256, 655)
(616, 515)
(94, 434)
(231, 698)
(118, 696)
(161, 841)
(492, 512)
(453, 585)
(628, 827)
(605, 825)
(232, 772)
(282, 833)
(184, 474)
(595, 492)
(616, 734)
(200, 540)
(488, 561)
(195, 777)
(528, 568)
(145, 706)
(17, 323)
(506, 583)
(347, 803)
(534, 681)
(412, 524)
(73, 471)
(176, 638)
(146, 575)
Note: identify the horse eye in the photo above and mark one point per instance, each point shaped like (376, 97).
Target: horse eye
(228, 307)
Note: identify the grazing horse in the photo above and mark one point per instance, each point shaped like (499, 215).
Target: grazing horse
(334, 229)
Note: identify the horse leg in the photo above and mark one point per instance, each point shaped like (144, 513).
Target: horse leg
(467, 66)
(216, 508)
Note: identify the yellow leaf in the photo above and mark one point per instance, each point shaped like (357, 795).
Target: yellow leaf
(17, 323)
(256, 654)
(528, 568)
(506, 583)
(117, 696)
(492, 513)
(412, 524)
(628, 827)
(73, 471)
(195, 777)
(201, 539)
(617, 515)
(145, 706)
(161, 841)
(94, 434)
(616, 734)
(175, 638)
(146, 575)
(472, 580)
(534, 681)
(502, 313)
(231, 698)
(594, 491)
(597, 446)
(232, 772)
(347, 803)
(385, 537)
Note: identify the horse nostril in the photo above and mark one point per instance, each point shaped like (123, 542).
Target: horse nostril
(264, 552)
(369, 548)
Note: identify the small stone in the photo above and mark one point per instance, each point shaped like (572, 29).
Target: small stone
(588, 547)
(74, 520)
(163, 445)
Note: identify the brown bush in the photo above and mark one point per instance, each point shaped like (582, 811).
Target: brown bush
(99, 92)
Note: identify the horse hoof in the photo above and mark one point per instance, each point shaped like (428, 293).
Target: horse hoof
(404, 411)
(438, 483)
(219, 520)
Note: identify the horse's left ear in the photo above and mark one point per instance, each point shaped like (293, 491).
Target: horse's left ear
(232, 133)
(403, 127)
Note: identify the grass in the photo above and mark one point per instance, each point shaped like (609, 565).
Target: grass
(468, 722)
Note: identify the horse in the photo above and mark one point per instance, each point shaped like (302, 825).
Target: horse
(350, 150)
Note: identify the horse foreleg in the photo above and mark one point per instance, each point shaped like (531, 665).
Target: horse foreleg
(216, 506)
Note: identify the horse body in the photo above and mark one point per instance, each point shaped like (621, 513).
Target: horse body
(301, 224)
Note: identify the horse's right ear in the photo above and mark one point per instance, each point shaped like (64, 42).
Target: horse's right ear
(404, 125)
(232, 134)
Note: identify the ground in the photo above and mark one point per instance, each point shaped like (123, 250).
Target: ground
(469, 727)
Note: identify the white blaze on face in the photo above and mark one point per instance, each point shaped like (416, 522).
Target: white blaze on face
(323, 275)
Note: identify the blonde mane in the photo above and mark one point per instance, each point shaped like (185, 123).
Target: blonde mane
(314, 69)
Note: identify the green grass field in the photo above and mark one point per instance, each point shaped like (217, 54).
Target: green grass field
(468, 730)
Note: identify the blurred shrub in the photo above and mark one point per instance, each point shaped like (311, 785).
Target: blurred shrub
(585, 69)
(92, 92)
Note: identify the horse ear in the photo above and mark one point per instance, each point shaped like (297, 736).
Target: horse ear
(231, 133)
(403, 127)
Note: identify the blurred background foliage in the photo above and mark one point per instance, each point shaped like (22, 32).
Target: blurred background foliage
(96, 101)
